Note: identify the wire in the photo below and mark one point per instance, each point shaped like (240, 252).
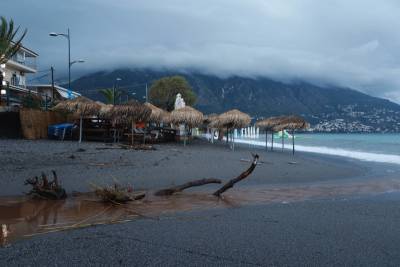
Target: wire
(38, 78)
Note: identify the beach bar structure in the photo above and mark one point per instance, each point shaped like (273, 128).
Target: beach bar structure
(230, 120)
(130, 113)
(80, 105)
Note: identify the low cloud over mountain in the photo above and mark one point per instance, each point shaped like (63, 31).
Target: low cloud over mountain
(345, 43)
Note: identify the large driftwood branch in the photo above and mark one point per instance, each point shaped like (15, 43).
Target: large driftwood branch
(43, 188)
(242, 176)
(179, 188)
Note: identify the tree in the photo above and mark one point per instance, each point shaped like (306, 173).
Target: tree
(163, 92)
(109, 95)
(9, 46)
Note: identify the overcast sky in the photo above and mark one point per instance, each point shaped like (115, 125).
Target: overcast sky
(354, 43)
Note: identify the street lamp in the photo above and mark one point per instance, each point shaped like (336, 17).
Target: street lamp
(68, 36)
(77, 61)
(114, 88)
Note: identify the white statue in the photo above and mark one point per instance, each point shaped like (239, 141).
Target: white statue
(179, 102)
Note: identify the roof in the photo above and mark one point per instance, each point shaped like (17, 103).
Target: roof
(29, 50)
(63, 91)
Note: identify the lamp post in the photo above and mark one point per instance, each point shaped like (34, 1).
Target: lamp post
(70, 63)
(114, 88)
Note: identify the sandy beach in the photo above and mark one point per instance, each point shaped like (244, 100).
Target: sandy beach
(167, 165)
(347, 217)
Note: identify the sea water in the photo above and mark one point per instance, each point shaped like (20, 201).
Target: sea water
(384, 148)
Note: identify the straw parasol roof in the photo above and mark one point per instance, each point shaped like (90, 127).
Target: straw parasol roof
(232, 119)
(270, 122)
(105, 109)
(156, 113)
(210, 118)
(132, 111)
(293, 123)
(81, 105)
(187, 115)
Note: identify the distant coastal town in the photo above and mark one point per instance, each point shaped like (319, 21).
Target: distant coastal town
(350, 119)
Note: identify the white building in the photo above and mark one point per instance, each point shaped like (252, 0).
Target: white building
(17, 68)
(15, 73)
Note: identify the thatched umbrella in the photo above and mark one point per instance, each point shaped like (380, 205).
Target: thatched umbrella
(82, 106)
(156, 113)
(131, 112)
(188, 116)
(269, 124)
(105, 109)
(293, 123)
(232, 119)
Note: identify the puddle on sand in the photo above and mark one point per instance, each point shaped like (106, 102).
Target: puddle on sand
(21, 217)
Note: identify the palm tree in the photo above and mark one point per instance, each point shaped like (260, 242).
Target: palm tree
(9, 46)
(109, 95)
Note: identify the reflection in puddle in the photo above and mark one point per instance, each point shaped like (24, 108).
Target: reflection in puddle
(22, 217)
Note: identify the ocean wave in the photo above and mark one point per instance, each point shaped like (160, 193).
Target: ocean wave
(360, 155)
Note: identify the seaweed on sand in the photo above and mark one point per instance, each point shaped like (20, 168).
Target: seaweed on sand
(116, 193)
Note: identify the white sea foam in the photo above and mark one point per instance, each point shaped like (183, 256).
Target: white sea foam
(365, 156)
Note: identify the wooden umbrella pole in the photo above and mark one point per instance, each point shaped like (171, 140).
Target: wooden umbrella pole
(272, 144)
(293, 141)
(132, 133)
(184, 137)
(144, 135)
(233, 140)
(266, 140)
(80, 128)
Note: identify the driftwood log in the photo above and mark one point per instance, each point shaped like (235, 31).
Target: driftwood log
(45, 189)
(242, 176)
(179, 188)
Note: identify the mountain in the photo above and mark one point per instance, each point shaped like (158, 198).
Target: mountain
(331, 109)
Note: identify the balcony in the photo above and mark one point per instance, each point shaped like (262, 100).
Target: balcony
(21, 60)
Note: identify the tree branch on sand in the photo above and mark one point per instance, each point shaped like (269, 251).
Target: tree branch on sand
(45, 189)
(179, 188)
(242, 176)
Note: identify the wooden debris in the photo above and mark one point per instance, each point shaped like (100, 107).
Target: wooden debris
(179, 188)
(242, 176)
(117, 194)
(45, 189)
(137, 147)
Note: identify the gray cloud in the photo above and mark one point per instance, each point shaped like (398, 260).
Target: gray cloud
(347, 43)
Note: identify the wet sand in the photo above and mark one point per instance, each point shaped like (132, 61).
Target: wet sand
(169, 164)
(319, 211)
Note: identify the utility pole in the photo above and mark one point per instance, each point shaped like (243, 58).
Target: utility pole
(114, 94)
(52, 84)
(147, 100)
(8, 94)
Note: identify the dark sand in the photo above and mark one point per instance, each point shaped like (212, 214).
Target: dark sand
(169, 164)
(344, 222)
